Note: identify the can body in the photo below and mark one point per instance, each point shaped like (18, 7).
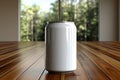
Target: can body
(60, 46)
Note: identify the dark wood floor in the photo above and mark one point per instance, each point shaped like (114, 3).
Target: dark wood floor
(26, 60)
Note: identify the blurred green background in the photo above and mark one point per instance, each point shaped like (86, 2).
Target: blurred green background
(85, 14)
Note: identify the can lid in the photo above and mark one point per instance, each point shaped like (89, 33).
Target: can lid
(60, 22)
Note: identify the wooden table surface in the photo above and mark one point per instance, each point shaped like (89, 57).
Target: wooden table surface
(26, 61)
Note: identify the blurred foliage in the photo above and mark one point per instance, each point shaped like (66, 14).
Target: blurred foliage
(83, 12)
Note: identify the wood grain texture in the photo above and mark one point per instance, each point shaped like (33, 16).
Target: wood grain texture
(26, 61)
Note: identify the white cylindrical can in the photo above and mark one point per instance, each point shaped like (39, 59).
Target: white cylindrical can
(60, 46)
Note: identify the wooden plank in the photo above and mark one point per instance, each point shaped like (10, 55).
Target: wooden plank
(7, 48)
(20, 51)
(35, 71)
(23, 60)
(80, 73)
(106, 51)
(110, 45)
(102, 62)
(92, 71)
(13, 46)
(106, 58)
(105, 48)
(25, 63)
(7, 64)
(14, 55)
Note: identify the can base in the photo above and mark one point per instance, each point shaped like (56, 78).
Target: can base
(57, 72)
(51, 71)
